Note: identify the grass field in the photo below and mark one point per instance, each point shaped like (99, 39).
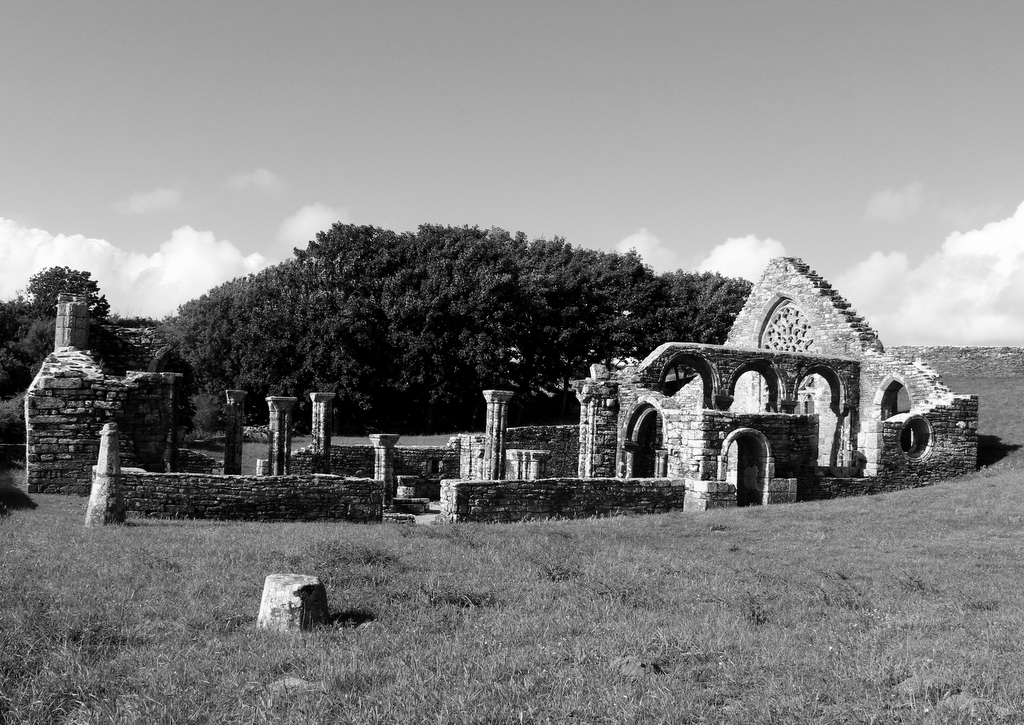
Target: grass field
(906, 608)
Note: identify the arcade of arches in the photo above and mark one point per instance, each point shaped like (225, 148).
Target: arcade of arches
(802, 402)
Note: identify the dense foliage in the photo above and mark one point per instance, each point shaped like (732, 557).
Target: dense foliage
(408, 328)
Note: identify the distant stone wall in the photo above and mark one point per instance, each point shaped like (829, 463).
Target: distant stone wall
(190, 461)
(253, 498)
(966, 362)
(568, 498)
(562, 441)
(66, 407)
(431, 462)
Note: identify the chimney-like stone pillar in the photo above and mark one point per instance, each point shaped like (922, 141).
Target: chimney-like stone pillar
(106, 502)
(322, 431)
(599, 416)
(384, 462)
(280, 452)
(494, 433)
(234, 407)
(72, 325)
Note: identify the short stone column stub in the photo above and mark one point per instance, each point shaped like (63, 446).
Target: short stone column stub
(280, 446)
(234, 408)
(322, 431)
(384, 462)
(106, 502)
(494, 433)
(292, 603)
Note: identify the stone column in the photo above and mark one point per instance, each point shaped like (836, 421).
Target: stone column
(106, 503)
(384, 462)
(170, 414)
(233, 423)
(72, 325)
(280, 452)
(494, 433)
(599, 422)
(322, 431)
(526, 465)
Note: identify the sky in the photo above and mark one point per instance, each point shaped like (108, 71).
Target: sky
(170, 147)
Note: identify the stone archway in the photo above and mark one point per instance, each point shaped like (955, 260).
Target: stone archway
(747, 463)
(820, 392)
(643, 452)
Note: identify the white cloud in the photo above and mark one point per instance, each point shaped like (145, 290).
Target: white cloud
(146, 202)
(969, 292)
(654, 253)
(259, 180)
(895, 205)
(187, 265)
(744, 257)
(301, 227)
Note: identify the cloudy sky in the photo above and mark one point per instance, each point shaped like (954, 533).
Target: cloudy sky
(167, 147)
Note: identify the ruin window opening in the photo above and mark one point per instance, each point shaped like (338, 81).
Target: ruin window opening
(915, 437)
(895, 400)
(755, 390)
(787, 329)
(688, 378)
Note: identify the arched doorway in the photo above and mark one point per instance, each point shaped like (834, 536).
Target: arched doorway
(643, 444)
(746, 463)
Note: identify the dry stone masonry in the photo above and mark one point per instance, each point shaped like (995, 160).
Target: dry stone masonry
(73, 396)
(803, 402)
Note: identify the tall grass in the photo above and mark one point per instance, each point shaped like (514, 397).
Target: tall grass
(903, 608)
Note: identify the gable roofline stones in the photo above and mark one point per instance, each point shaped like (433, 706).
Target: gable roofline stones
(838, 329)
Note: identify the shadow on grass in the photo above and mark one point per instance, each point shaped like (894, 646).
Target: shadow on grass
(13, 498)
(351, 617)
(992, 449)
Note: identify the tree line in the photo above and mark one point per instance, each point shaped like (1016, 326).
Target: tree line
(407, 328)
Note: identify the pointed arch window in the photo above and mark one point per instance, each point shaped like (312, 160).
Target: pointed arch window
(787, 329)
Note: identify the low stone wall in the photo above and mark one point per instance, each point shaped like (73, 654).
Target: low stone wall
(568, 498)
(190, 461)
(966, 362)
(253, 498)
(562, 441)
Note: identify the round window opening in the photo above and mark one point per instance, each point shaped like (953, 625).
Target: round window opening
(915, 437)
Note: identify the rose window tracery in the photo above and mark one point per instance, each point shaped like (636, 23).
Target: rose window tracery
(787, 330)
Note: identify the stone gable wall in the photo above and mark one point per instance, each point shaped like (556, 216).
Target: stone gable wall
(66, 407)
(253, 498)
(838, 329)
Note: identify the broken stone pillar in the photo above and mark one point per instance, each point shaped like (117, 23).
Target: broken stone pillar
(384, 462)
(72, 325)
(494, 433)
(280, 449)
(170, 415)
(526, 465)
(233, 430)
(599, 415)
(106, 503)
(322, 431)
(292, 602)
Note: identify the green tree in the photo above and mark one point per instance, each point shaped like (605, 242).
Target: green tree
(44, 287)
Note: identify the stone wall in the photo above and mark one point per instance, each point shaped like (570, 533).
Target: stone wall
(253, 498)
(190, 461)
(120, 349)
(562, 441)
(567, 498)
(431, 462)
(66, 407)
(966, 362)
(838, 329)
